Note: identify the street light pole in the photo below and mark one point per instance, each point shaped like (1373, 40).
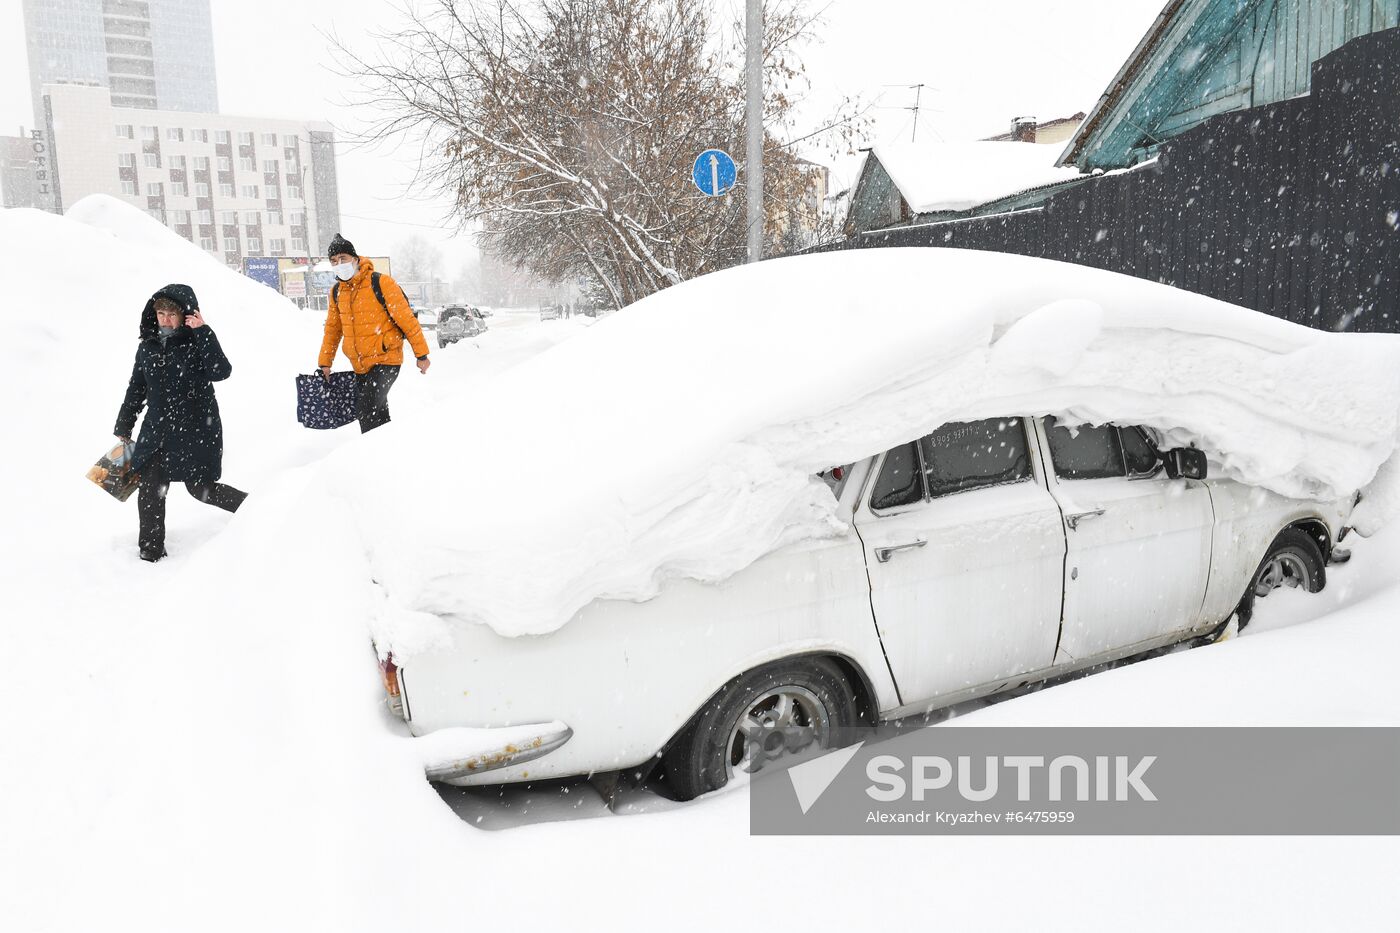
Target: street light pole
(754, 126)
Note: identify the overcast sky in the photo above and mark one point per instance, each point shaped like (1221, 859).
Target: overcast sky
(982, 63)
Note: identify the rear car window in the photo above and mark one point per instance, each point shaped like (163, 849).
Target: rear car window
(899, 482)
(1084, 451)
(970, 455)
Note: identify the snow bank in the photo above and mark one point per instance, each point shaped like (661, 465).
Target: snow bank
(963, 175)
(679, 436)
(202, 744)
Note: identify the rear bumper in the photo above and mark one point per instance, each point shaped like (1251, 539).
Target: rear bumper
(455, 754)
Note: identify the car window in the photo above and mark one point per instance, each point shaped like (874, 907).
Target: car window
(970, 455)
(899, 481)
(1084, 451)
(1138, 453)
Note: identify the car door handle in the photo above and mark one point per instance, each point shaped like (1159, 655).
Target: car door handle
(1074, 518)
(883, 554)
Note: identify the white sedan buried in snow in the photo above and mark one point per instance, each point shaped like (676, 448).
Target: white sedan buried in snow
(983, 557)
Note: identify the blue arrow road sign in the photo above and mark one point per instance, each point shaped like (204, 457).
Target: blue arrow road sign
(714, 172)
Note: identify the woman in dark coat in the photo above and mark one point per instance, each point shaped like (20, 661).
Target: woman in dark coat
(177, 363)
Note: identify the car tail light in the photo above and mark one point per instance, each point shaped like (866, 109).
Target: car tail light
(389, 672)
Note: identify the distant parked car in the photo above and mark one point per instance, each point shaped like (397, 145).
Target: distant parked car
(551, 313)
(427, 317)
(457, 322)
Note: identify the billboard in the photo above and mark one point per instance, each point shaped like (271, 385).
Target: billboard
(262, 269)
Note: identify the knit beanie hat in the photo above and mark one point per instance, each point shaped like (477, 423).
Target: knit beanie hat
(341, 245)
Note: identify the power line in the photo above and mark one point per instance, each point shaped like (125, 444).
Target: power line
(400, 223)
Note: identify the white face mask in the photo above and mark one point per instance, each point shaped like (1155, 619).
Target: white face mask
(345, 271)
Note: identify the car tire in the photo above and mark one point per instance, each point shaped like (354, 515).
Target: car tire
(1293, 559)
(801, 700)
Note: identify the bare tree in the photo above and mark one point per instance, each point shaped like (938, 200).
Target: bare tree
(566, 129)
(416, 259)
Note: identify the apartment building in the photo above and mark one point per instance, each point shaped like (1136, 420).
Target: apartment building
(151, 54)
(238, 187)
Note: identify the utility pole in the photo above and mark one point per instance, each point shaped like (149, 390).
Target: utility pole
(918, 92)
(754, 121)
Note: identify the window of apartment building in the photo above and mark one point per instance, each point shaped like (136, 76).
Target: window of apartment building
(180, 217)
(153, 160)
(201, 189)
(201, 163)
(250, 191)
(125, 131)
(245, 139)
(225, 164)
(150, 132)
(126, 159)
(206, 242)
(277, 246)
(205, 217)
(247, 164)
(175, 134)
(177, 161)
(199, 136)
(289, 154)
(270, 166)
(269, 139)
(298, 218)
(226, 191)
(221, 137)
(154, 189)
(274, 218)
(289, 142)
(293, 191)
(228, 218)
(128, 187)
(179, 189)
(298, 245)
(254, 244)
(251, 230)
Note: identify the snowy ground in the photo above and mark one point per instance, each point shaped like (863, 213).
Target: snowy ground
(201, 744)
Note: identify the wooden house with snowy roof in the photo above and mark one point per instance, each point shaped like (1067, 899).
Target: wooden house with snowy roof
(1248, 150)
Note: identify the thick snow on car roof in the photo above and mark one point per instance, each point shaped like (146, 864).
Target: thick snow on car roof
(679, 436)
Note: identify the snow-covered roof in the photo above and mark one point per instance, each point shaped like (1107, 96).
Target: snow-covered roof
(963, 175)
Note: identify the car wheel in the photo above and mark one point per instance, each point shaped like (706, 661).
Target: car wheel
(1293, 560)
(757, 719)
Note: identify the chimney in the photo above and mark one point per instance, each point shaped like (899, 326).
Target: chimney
(1023, 130)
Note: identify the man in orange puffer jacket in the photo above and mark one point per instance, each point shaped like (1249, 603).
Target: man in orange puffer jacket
(370, 317)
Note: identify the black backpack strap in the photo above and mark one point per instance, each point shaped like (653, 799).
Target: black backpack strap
(379, 293)
(335, 297)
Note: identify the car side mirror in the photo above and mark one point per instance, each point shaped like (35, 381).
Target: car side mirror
(1185, 463)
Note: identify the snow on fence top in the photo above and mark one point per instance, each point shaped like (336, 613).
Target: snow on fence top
(679, 436)
(960, 176)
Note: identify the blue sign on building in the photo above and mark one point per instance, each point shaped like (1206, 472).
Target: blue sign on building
(263, 269)
(714, 172)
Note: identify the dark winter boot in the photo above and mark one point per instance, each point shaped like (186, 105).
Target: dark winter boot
(152, 555)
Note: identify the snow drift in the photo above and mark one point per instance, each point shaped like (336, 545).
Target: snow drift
(679, 437)
(201, 744)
